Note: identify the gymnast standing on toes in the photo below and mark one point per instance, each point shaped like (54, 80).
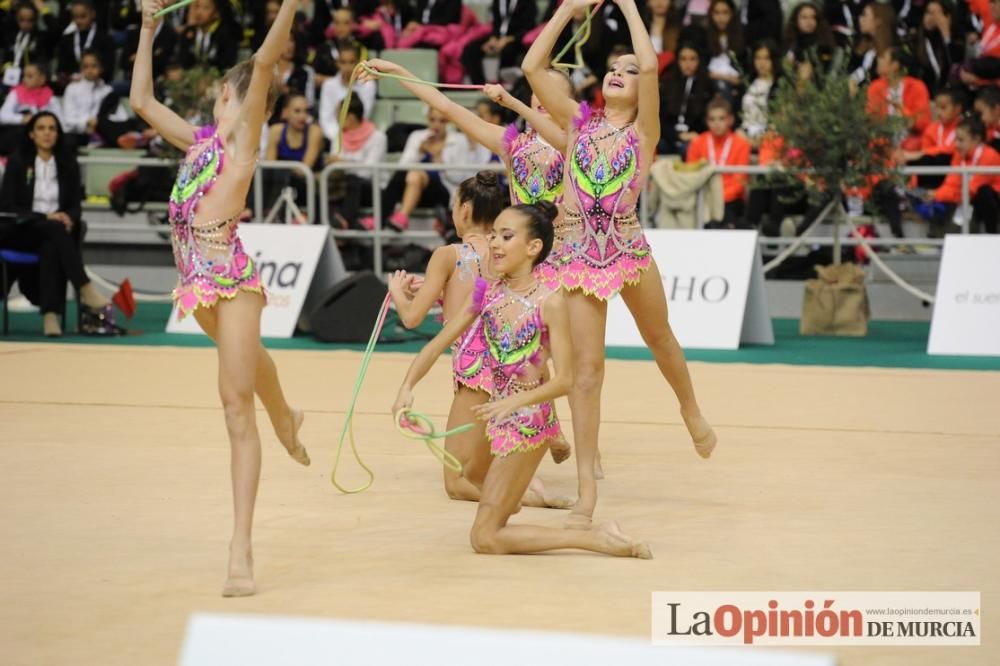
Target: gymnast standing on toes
(218, 282)
(599, 248)
(522, 323)
(451, 275)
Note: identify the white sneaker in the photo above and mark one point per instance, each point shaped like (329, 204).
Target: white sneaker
(21, 304)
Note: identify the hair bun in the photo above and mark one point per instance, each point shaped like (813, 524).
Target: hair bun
(548, 209)
(487, 179)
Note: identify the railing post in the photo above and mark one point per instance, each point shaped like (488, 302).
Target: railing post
(966, 210)
(377, 214)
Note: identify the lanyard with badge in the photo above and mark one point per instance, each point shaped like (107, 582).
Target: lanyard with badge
(725, 151)
(77, 48)
(682, 125)
(426, 17)
(506, 10)
(12, 75)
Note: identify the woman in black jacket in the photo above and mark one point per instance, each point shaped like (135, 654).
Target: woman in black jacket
(41, 187)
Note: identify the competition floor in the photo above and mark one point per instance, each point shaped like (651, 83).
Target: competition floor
(115, 506)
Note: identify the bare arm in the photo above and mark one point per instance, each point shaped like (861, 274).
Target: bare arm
(177, 131)
(314, 144)
(439, 270)
(648, 119)
(544, 125)
(476, 128)
(273, 136)
(536, 61)
(431, 351)
(253, 112)
(556, 317)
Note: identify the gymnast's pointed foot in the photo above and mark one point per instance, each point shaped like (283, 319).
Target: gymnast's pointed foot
(239, 582)
(702, 435)
(290, 440)
(616, 543)
(537, 496)
(560, 449)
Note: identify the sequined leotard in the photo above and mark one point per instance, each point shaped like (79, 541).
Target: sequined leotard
(599, 246)
(536, 168)
(469, 355)
(209, 255)
(516, 338)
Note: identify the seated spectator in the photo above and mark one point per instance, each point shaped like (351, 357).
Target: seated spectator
(164, 46)
(363, 143)
(684, 97)
(811, 52)
(775, 200)
(334, 91)
(430, 13)
(987, 106)
(82, 101)
(938, 49)
(726, 49)
(662, 20)
(410, 189)
(511, 22)
(843, 16)
(294, 75)
(27, 39)
(940, 204)
(23, 101)
(295, 139)
(211, 39)
(325, 16)
(340, 34)
(896, 94)
(84, 35)
(766, 72)
(985, 67)
(939, 138)
(720, 146)
(42, 186)
(383, 28)
(877, 32)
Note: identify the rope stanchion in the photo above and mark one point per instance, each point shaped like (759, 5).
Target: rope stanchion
(900, 282)
(800, 241)
(415, 425)
(138, 295)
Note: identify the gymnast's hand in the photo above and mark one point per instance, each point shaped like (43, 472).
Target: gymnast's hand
(404, 400)
(494, 410)
(380, 66)
(151, 7)
(401, 284)
(498, 94)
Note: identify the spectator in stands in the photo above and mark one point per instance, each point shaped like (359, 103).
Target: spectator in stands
(382, 29)
(325, 16)
(512, 20)
(720, 146)
(938, 48)
(84, 35)
(363, 143)
(82, 100)
(294, 75)
(895, 93)
(766, 72)
(334, 91)
(295, 139)
(663, 22)
(987, 106)
(340, 35)
(842, 16)
(761, 19)
(877, 32)
(42, 186)
(939, 207)
(211, 39)
(26, 39)
(23, 101)
(431, 12)
(985, 67)
(164, 46)
(410, 189)
(726, 49)
(811, 51)
(938, 143)
(684, 97)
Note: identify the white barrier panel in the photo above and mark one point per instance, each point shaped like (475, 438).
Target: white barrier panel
(714, 282)
(967, 305)
(245, 640)
(286, 257)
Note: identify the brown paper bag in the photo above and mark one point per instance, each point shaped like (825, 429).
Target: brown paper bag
(836, 303)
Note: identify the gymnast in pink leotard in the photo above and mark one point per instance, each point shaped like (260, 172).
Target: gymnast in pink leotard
(600, 250)
(218, 282)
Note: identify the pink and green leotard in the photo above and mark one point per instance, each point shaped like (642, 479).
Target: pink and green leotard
(470, 359)
(209, 255)
(599, 246)
(536, 168)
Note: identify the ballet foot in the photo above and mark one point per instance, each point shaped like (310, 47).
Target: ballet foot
(239, 582)
(560, 449)
(598, 468)
(536, 496)
(702, 435)
(621, 545)
(294, 447)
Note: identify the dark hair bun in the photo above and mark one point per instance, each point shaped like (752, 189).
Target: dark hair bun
(549, 210)
(487, 179)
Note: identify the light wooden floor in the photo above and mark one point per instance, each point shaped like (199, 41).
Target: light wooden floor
(115, 506)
